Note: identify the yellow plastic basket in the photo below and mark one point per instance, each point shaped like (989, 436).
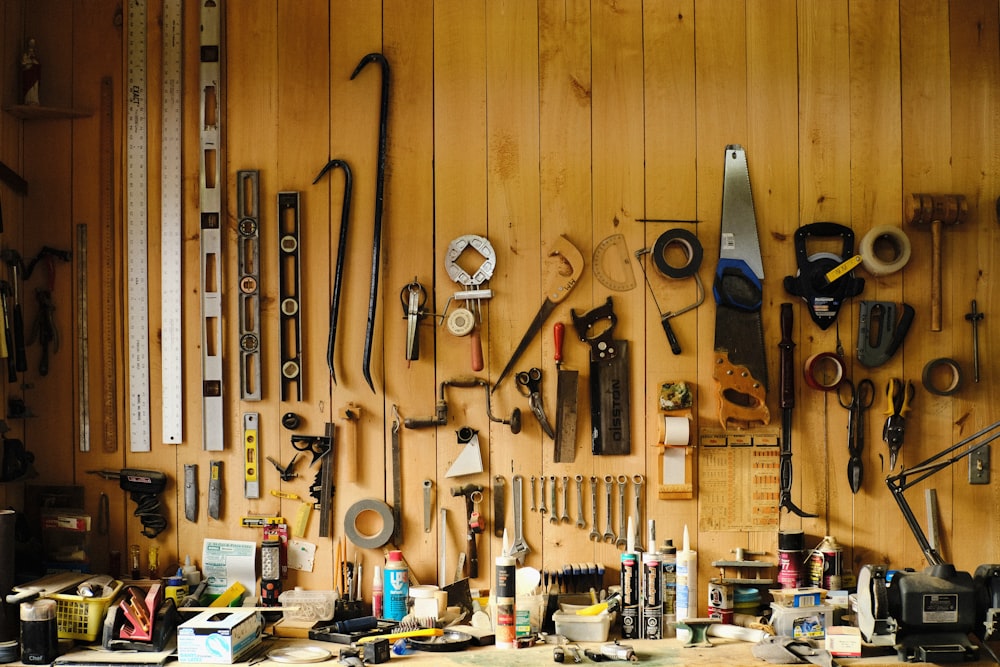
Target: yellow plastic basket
(78, 617)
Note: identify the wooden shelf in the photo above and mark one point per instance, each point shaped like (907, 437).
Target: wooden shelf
(38, 112)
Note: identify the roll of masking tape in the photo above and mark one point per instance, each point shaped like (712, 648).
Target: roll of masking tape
(824, 371)
(936, 382)
(874, 246)
(676, 431)
(363, 540)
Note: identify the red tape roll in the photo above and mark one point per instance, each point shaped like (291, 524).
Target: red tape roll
(824, 371)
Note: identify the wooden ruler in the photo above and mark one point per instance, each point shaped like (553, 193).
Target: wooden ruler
(109, 295)
(136, 230)
(171, 222)
(82, 339)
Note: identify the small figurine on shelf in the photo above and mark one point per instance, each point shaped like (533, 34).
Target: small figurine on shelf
(31, 71)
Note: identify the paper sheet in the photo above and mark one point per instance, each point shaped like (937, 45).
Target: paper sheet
(227, 561)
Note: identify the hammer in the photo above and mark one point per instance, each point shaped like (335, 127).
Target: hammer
(936, 210)
(473, 493)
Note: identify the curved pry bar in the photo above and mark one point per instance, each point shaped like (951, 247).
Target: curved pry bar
(345, 214)
(379, 194)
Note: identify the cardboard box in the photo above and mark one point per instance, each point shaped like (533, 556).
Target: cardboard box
(843, 641)
(218, 636)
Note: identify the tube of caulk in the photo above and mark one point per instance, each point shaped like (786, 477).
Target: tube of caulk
(506, 596)
(377, 592)
(687, 584)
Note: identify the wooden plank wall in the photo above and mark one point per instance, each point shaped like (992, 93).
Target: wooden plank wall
(521, 121)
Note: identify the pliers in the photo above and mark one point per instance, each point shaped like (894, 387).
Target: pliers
(529, 383)
(898, 394)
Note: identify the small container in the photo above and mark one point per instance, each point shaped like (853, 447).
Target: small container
(801, 622)
(311, 606)
(577, 628)
(39, 632)
(176, 587)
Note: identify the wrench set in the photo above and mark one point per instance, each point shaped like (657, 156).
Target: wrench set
(550, 495)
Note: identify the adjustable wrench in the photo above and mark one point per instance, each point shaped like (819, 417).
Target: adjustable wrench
(621, 541)
(609, 535)
(519, 549)
(595, 535)
(533, 505)
(637, 481)
(541, 483)
(554, 517)
(565, 513)
(580, 522)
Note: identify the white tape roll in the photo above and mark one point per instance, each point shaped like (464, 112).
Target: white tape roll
(676, 431)
(874, 243)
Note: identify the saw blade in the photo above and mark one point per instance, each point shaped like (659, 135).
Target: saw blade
(739, 222)
(741, 334)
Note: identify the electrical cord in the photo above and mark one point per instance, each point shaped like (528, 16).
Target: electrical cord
(148, 510)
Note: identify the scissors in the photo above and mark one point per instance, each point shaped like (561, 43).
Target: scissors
(898, 394)
(413, 296)
(859, 399)
(529, 383)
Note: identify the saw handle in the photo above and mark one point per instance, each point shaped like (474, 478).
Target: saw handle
(675, 345)
(476, 345)
(558, 334)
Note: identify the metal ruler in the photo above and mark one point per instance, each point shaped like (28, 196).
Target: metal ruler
(83, 338)
(290, 329)
(248, 228)
(109, 295)
(136, 222)
(210, 159)
(171, 221)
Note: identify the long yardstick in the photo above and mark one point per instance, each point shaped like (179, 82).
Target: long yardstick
(562, 277)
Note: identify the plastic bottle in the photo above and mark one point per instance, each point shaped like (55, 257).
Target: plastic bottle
(687, 584)
(506, 595)
(396, 586)
(377, 609)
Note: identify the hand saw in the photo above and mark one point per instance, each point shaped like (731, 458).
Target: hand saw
(561, 277)
(609, 380)
(740, 368)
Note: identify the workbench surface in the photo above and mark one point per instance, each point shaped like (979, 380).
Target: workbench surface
(667, 652)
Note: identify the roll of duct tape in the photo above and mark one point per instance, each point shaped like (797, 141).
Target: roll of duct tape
(692, 250)
(872, 250)
(942, 383)
(824, 371)
(369, 541)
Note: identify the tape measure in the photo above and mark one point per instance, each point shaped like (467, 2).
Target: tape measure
(136, 228)
(620, 278)
(171, 202)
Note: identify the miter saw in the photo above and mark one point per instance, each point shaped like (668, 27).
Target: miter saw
(929, 616)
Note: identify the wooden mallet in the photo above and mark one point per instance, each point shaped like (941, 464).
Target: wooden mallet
(923, 210)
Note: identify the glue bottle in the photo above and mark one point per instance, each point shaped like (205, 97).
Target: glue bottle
(506, 600)
(396, 587)
(377, 592)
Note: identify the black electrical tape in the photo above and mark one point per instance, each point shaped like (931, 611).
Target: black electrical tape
(956, 376)
(691, 246)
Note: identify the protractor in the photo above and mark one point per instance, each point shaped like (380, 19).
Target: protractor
(613, 264)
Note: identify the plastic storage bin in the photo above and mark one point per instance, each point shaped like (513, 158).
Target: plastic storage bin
(78, 617)
(578, 628)
(801, 622)
(311, 606)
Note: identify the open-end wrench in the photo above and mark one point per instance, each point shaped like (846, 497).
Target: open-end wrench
(519, 549)
(542, 508)
(533, 505)
(595, 535)
(609, 535)
(554, 517)
(564, 517)
(637, 481)
(622, 482)
(580, 521)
